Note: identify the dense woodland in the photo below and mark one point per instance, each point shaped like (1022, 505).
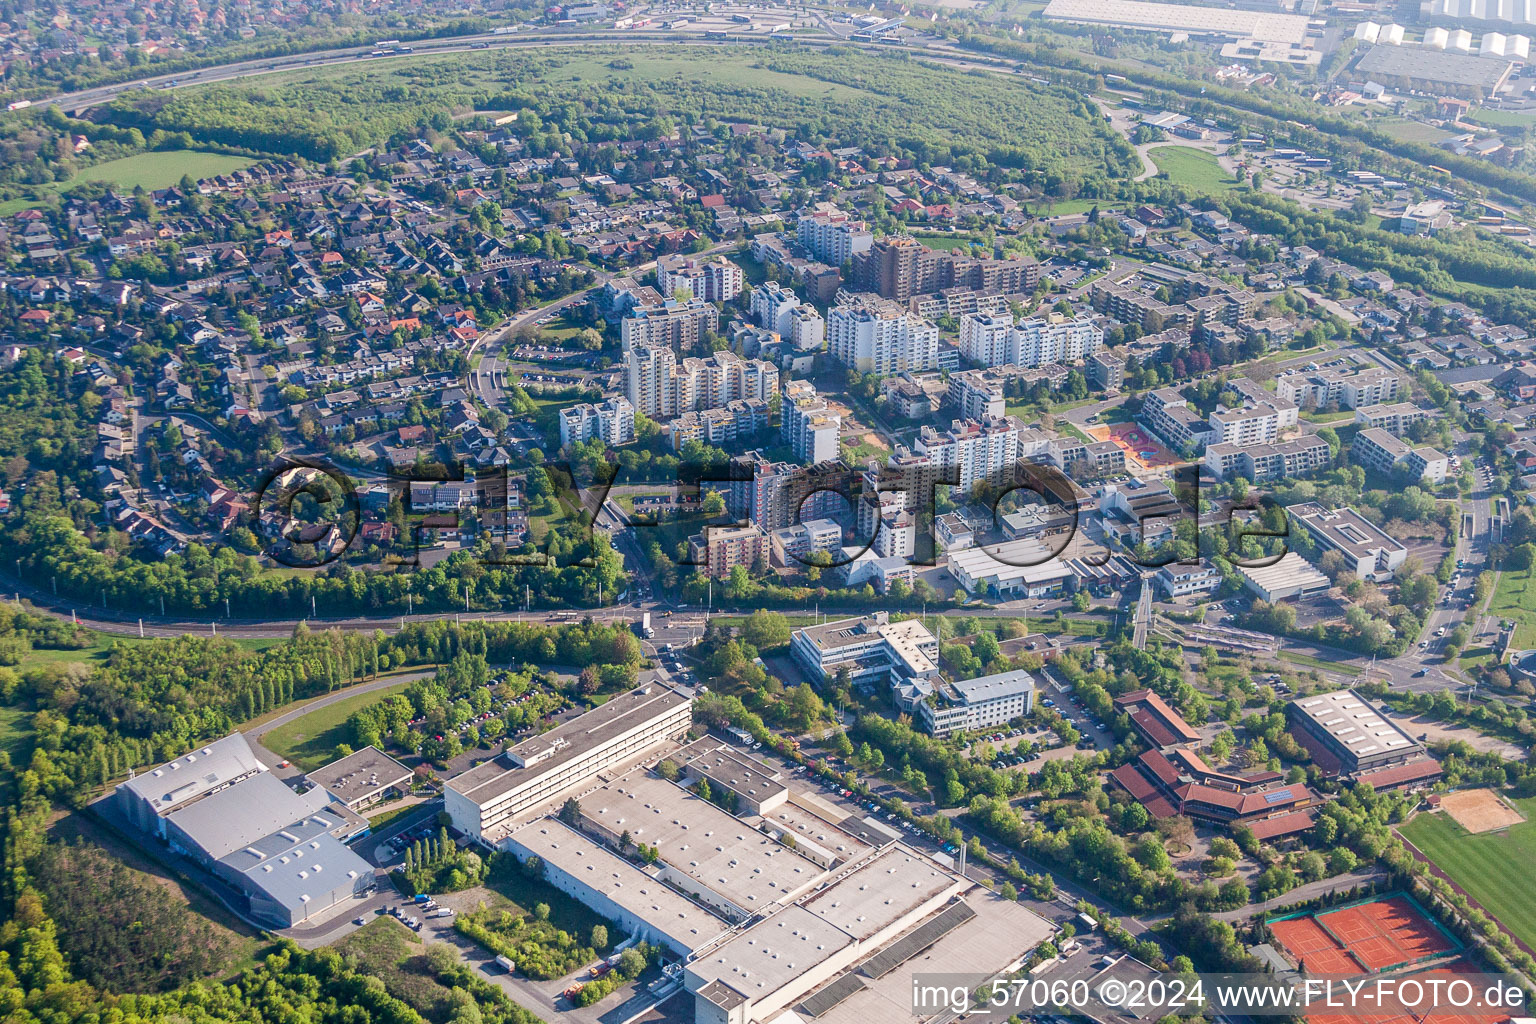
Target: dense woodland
(886, 104)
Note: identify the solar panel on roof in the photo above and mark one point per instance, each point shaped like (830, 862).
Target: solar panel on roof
(1277, 796)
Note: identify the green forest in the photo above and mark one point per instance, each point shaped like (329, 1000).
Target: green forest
(888, 104)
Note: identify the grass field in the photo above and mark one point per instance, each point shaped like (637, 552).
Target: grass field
(1515, 600)
(101, 647)
(1193, 168)
(1491, 866)
(311, 741)
(163, 169)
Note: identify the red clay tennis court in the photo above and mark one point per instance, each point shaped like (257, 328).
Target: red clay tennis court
(1313, 949)
(1419, 1015)
(1385, 933)
(1361, 939)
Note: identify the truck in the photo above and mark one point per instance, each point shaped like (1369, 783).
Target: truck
(506, 963)
(573, 991)
(645, 626)
(420, 898)
(444, 912)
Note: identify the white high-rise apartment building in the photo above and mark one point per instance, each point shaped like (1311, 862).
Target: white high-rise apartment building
(881, 337)
(612, 421)
(674, 324)
(993, 339)
(661, 387)
(812, 430)
(773, 307)
(833, 238)
(978, 450)
(716, 279)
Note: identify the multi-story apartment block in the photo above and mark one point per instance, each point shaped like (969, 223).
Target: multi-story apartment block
(718, 549)
(660, 387)
(977, 394)
(1135, 307)
(792, 545)
(976, 450)
(740, 418)
(1106, 370)
(1168, 413)
(714, 280)
(611, 421)
(1374, 385)
(808, 329)
(1394, 418)
(994, 340)
(834, 238)
(774, 306)
(671, 324)
(1385, 453)
(900, 268)
(1264, 462)
(808, 425)
(881, 337)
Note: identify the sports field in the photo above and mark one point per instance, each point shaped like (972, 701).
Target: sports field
(1493, 867)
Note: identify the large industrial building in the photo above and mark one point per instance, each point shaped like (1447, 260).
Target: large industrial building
(787, 911)
(1218, 22)
(283, 853)
(483, 800)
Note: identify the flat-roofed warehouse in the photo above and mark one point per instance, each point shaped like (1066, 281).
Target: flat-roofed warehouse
(755, 786)
(719, 858)
(283, 852)
(1345, 733)
(1423, 67)
(1205, 21)
(643, 906)
(484, 800)
(839, 951)
(1290, 576)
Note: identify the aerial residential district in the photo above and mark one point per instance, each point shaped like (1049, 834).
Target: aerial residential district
(673, 513)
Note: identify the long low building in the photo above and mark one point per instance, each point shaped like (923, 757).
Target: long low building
(614, 887)
(484, 801)
(1290, 577)
(1164, 18)
(1016, 568)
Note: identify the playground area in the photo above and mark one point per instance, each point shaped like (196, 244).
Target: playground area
(1142, 450)
(1480, 810)
(1362, 938)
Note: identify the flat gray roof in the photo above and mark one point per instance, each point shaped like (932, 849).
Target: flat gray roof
(1429, 65)
(193, 774)
(1354, 724)
(536, 756)
(1012, 683)
(244, 813)
(721, 763)
(1000, 933)
(301, 862)
(880, 891)
(360, 774)
(716, 849)
(685, 923)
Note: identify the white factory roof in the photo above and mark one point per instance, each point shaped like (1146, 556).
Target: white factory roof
(1161, 17)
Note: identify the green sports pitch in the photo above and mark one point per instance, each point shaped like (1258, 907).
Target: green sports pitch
(1493, 867)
